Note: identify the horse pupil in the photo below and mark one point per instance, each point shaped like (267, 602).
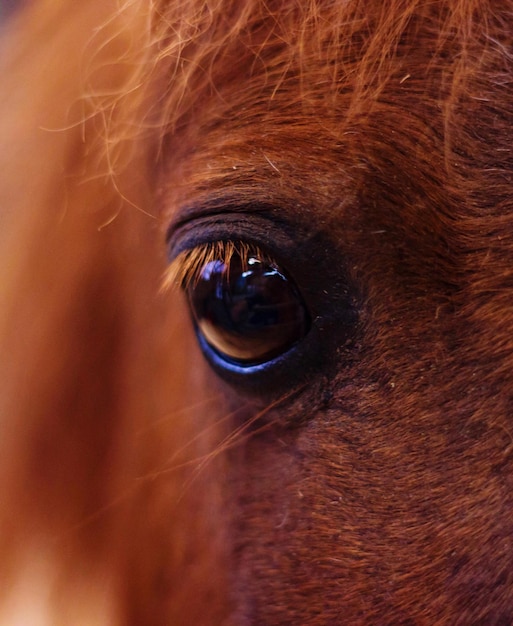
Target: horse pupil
(249, 312)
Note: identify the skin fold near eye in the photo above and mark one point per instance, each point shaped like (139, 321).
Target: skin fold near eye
(246, 307)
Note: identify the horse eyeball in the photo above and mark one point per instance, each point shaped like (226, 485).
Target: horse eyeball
(247, 309)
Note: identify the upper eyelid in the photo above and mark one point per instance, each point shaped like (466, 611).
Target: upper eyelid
(262, 230)
(220, 209)
(228, 208)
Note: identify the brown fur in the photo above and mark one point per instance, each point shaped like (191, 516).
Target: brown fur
(136, 487)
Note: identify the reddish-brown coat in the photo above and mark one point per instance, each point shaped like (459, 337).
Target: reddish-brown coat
(137, 487)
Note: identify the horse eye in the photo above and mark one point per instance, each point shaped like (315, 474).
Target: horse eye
(246, 308)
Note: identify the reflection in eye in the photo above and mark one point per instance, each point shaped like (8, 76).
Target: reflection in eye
(247, 309)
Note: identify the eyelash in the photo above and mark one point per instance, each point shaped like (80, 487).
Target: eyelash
(186, 268)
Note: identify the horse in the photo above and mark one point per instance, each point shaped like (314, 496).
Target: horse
(255, 312)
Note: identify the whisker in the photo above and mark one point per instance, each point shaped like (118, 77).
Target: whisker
(239, 436)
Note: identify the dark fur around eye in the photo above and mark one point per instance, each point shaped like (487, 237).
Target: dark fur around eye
(266, 320)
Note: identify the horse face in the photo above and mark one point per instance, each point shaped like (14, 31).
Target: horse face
(363, 157)
(334, 181)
